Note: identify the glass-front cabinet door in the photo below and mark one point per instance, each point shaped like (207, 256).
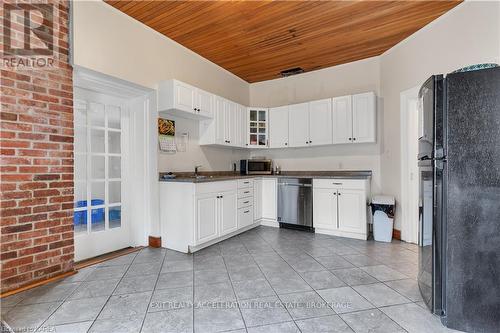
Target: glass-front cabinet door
(258, 128)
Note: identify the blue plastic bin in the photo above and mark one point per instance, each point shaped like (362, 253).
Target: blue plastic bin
(80, 217)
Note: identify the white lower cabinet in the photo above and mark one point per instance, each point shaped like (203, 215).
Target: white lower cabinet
(207, 217)
(193, 216)
(269, 199)
(340, 207)
(257, 199)
(352, 208)
(245, 202)
(245, 216)
(216, 215)
(196, 215)
(325, 208)
(228, 205)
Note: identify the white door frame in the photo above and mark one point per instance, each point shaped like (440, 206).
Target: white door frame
(409, 228)
(140, 103)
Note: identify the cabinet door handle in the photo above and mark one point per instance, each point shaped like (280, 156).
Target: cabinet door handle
(286, 143)
(246, 192)
(340, 193)
(310, 142)
(245, 202)
(246, 211)
(353, 139)
(336, 183)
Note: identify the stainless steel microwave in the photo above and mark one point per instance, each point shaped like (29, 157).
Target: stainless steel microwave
(256, 167)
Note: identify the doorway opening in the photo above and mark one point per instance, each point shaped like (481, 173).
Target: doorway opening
(409, 166)
(114, 164)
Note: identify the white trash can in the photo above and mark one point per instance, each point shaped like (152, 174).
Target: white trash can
(383, 217)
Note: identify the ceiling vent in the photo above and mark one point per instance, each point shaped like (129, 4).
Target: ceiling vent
(291, 71)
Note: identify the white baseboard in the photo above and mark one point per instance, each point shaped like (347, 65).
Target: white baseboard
(269, 223)
(193, 249)
(341, 233)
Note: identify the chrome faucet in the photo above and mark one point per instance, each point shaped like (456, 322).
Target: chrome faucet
(196, 167)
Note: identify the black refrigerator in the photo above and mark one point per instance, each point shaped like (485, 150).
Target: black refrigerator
(459, 164)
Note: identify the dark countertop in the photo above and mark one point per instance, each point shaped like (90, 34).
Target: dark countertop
(214, 176)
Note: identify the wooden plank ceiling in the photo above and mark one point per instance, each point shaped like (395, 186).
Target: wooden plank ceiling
(256, 40)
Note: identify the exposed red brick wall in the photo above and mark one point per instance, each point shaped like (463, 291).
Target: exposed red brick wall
(36, 142)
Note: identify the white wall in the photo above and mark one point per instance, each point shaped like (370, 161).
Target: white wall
(211, 158)
(468, 34)
(356, 77)
(110, 42)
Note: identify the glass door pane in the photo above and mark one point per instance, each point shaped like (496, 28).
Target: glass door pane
(97, 167)
(253, 115)
(115, 213)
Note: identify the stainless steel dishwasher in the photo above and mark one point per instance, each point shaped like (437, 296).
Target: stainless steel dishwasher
(295, 204)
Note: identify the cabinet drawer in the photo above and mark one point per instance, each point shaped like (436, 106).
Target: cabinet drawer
(244, 183)
(245, 193)
(357, 184)
(245, 216)
(245, 202)
(212, 187)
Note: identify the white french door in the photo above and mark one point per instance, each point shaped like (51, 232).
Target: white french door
(101, 222)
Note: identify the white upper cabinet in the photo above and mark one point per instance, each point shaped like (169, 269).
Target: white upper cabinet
(354, 118)
(298, 120)
(278, 127)
(310, 124)
(184, 96)
(342, 119)
(183, 100)
(220, 121)
(243, 125)
(230, 122)
(204, 103)
(339, 120)
(320, 122)
(258, 128)
(364, 117)
(228, 126)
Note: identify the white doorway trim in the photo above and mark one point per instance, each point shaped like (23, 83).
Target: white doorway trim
(140, 103)
(409, 184)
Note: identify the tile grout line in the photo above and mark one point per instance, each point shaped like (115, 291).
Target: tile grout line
(232, 287)
(339, 315)
(154, 289)
(111, 295)
(71, 294)
(269, 283)
(335, 312)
